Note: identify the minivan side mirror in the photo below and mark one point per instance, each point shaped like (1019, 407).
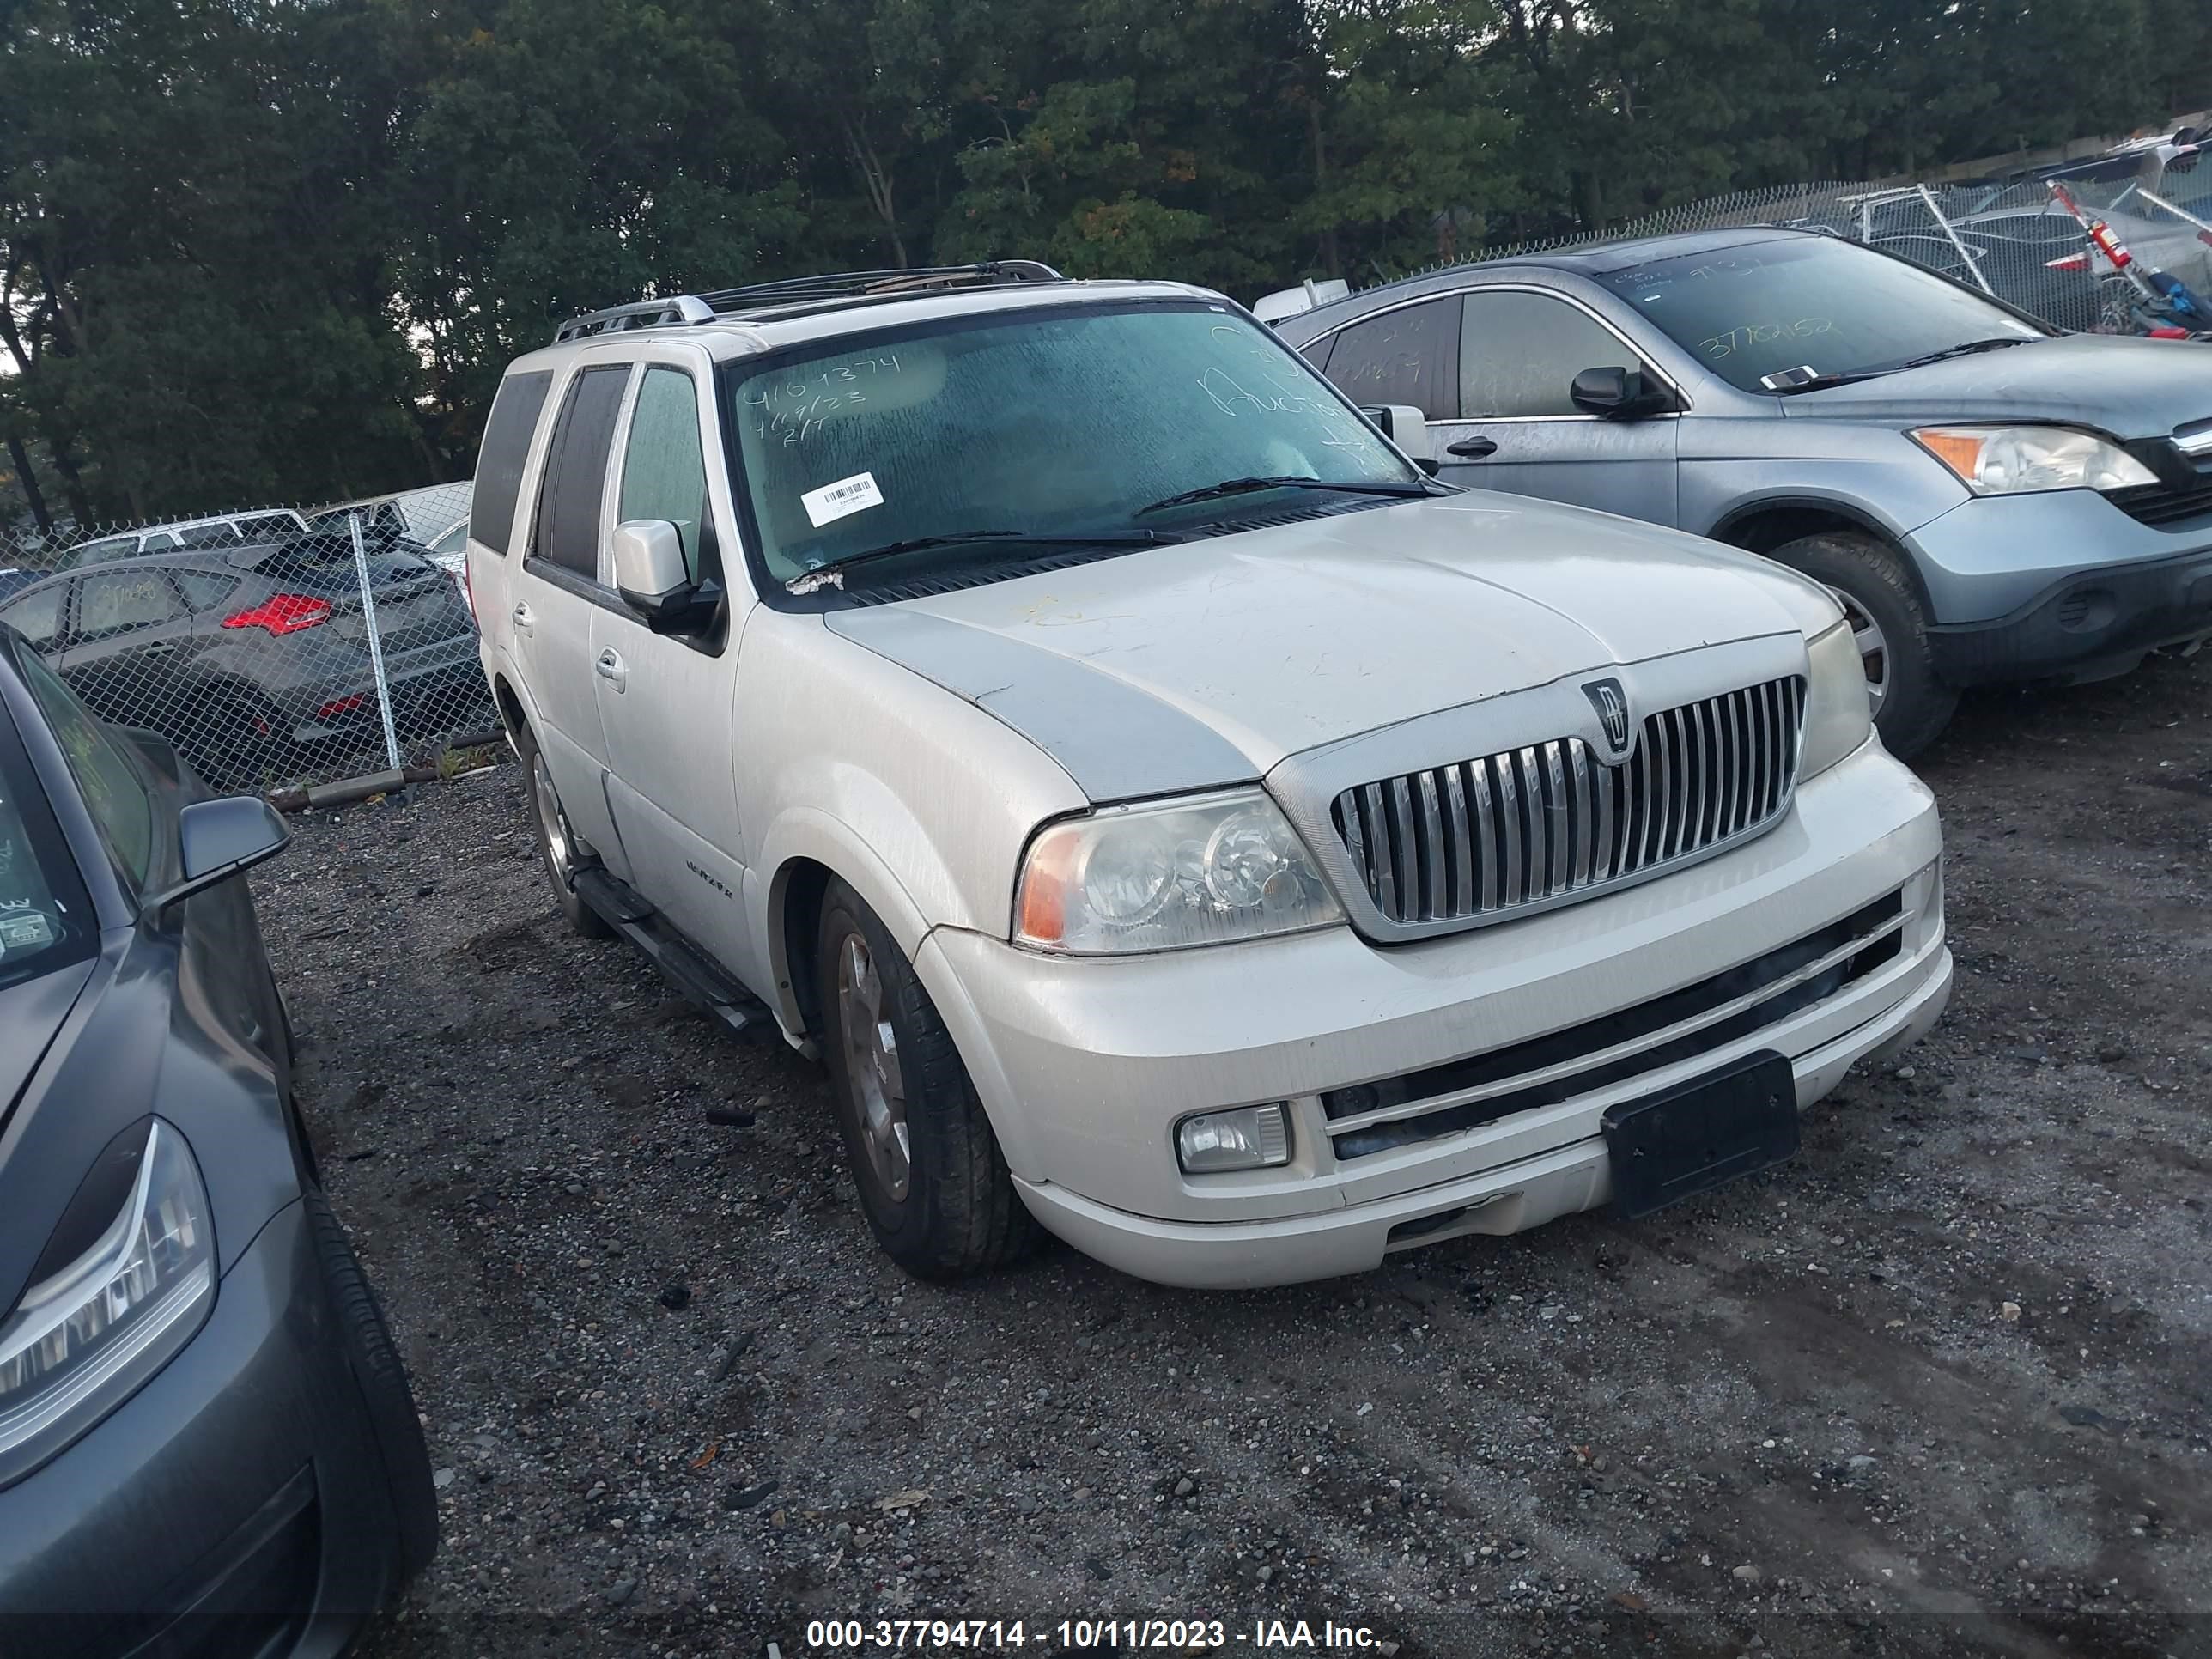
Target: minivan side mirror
(1407, 427)
(650, 574)
(1619, 394)
(217, 840)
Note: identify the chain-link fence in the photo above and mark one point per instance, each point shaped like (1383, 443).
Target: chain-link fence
(2017, 240)
(273, 648)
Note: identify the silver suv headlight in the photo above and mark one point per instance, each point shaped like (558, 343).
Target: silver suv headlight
(2015, 460)
(1837, 708)
(1164, 875)
(88, 1334)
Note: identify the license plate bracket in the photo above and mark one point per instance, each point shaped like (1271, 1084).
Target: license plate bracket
(1702, 1133)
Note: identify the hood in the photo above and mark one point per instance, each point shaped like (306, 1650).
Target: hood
(31, 1014)
(1208, 662)
(2129, 388)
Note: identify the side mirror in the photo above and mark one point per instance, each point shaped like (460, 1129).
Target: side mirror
(1619, 394)
(650, 572)
(1407, 427)
(218, 839)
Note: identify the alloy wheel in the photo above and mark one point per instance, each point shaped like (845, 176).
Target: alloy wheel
(1873, 648)
(872, 1066)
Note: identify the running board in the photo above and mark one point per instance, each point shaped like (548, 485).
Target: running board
(629, 914)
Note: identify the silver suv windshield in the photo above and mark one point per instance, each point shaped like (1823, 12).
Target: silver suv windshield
(1049, 425)
(1808, 302)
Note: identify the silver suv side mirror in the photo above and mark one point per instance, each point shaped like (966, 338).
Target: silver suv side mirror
(1407, 427)
(650, 572)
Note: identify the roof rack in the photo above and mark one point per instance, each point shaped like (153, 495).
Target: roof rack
(851, 284)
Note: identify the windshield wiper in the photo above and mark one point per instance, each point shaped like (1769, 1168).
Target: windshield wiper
(1820, 381)
(1968, 349)
(1243, 486)
(832, 572)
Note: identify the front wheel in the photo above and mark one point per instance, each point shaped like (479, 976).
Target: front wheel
(1910, 705)
(932, 1181)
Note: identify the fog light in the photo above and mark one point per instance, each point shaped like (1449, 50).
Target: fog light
(1249, 1138)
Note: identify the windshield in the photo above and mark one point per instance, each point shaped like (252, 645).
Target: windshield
(45, 916)
(122, 547)
(1802, 302)
(1059, 424)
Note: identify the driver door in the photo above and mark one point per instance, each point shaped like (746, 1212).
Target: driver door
(1520, 349)
(664, 700)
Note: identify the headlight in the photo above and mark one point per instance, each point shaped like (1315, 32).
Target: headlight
(2011, 461)
(1836, 713)
(1161, 876)
(95, 1327)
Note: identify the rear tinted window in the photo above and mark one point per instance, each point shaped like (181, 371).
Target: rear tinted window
(1409, 355)
(499, 462)
(124, 598)
(568, 502)
(204, 589)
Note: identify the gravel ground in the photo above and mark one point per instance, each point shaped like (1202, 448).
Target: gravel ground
(1941, 1384)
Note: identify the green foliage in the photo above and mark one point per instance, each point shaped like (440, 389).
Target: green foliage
(280, 250)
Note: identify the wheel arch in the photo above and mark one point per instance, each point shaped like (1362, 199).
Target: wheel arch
(1762, 526)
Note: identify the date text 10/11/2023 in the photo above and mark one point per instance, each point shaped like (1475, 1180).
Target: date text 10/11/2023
(1083, 1635)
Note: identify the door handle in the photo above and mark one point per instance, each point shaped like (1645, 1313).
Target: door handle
(1473, 449)
(608, 667)
(524, 622)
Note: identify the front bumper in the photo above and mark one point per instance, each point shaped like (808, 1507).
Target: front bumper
(2061, 583)
(1084, 1066)
(236, 1505)
(2087, 626)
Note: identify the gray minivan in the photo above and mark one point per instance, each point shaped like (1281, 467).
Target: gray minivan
(1990, 501)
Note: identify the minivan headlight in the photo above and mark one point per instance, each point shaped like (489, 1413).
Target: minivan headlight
(86, 1335)
(1836, 708)
(2014, 460)
(1163, 875)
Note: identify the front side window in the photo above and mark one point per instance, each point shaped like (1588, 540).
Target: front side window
(1408, 356)
(38, 617)
(664, 468)
(1062, 423)
(1520, 352)
(1798, 303)
(114, 793)
(114, 601)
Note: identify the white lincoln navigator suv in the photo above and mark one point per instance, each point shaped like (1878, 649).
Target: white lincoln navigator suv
(1171, 815)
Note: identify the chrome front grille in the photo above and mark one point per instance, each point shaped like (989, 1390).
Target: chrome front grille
(1479, 840)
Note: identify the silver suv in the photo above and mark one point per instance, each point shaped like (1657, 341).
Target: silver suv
(1990, 501)
(1171, 815)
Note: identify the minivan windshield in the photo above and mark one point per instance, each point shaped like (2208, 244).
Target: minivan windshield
(1055, 424)
(1795, 303)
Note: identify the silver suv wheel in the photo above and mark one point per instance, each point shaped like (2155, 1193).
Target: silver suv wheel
(558, 849)
(871, 1066)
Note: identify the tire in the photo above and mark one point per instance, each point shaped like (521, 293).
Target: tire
(382, 1379)
(1912, 704)
(952, 1210)
(233, 740)
(557, 845)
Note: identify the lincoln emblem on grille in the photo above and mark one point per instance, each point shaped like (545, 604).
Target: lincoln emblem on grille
(1612, 705)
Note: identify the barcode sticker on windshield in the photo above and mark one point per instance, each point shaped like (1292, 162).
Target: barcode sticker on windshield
(840, 500)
